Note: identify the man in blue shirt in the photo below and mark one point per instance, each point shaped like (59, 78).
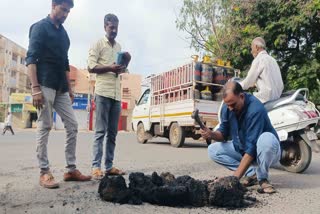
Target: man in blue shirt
(48, 68)
(254, 146)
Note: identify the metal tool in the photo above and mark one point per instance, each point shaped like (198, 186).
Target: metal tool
(195, 116)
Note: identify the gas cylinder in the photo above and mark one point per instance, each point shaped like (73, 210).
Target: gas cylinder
(206, 94)
(206, 74)
(197, 71)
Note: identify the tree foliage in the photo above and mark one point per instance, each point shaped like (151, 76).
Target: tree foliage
(291, 28)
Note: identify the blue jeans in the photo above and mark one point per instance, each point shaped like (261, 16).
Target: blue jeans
(107, 118)
(268, 154)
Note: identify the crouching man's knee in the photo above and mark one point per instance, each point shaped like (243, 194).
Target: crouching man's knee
(268, 144)
(213, 151)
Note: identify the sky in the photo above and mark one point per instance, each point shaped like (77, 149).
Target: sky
(147, 30)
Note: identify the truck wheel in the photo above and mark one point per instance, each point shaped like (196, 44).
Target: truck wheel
(176, 135)
(141, 134)
(296, 156)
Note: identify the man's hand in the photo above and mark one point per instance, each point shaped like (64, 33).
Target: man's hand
(117, 69)
(37, 98)
(206, 133)
(243, 166)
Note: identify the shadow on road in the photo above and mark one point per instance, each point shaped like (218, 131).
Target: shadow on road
(186, 144)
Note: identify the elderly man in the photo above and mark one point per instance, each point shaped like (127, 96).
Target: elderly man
(254, 146)
(264, 72)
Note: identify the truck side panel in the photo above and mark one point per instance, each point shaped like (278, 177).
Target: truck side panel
(181, 111)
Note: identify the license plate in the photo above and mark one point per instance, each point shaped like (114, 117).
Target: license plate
(311, 135)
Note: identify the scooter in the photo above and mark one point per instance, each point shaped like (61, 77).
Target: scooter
(295, 120)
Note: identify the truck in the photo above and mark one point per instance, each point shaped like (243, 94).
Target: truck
(164, 109)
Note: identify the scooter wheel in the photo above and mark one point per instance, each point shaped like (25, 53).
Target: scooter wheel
(296, 156)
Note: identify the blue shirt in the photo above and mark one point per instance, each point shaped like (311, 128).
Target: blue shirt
(48, 49)
(247, 128)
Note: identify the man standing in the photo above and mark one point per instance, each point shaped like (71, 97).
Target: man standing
(8, 124)
(254, 146)
(101, 61)
(48, 68)
(264, 72)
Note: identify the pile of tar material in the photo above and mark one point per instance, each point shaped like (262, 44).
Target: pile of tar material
(170, 191)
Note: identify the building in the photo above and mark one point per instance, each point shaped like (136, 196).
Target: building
(130, 85)
(13, 72)
(13, 76)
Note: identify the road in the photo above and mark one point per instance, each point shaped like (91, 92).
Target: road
(20, 192)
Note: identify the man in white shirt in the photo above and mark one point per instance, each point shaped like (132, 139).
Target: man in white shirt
(8, 124)
(264, 73)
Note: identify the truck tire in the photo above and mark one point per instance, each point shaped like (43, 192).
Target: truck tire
(176, 135)
(141, 134)
(296, 156)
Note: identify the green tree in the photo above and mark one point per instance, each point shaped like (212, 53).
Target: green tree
(291, 29)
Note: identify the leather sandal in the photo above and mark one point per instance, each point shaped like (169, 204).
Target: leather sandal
(266, 187)
(248, 181)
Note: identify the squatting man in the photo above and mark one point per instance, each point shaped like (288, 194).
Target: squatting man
(254, 146)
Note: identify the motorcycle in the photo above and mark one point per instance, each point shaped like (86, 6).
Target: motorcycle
(295, 120)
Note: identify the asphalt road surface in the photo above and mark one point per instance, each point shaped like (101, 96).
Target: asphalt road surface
(21, 193)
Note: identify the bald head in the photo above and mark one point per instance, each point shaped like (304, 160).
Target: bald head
(259, 41)
(257, 45)
(232, 87)
(233, 96)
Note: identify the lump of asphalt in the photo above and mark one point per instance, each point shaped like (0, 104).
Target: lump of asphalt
(170, 191)
(114, 188)
(226, 192)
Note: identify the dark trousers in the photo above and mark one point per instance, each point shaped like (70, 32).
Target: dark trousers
(7, 128)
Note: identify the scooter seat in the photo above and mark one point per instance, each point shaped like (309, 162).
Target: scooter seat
(270, 104)
(285, 96)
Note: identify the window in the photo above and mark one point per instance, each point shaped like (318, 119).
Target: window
(73, 85)
(144, 98)
(14, 57)
(13, 74)
(22, 61)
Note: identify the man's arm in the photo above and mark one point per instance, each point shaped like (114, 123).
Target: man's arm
(100, 69)
(252, 75)
(214, 135)
(244, 165)
(37, 99)
(221, 134)
(94, 67)
(69, 86)
(254, 130)
(36, 40)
